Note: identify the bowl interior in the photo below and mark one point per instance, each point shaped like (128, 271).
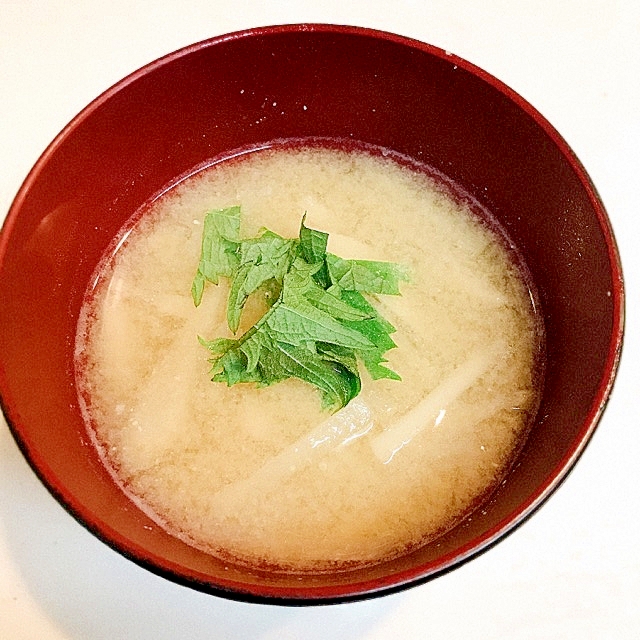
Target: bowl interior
(296, 82)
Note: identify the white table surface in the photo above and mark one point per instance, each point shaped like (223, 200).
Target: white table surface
(573, 570)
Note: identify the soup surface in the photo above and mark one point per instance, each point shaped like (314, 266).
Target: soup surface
(265, 475)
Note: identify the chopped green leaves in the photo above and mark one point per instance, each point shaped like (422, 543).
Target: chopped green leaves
(319, 325)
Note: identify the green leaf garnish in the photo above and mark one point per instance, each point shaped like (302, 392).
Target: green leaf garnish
(319, 325)
(267, 257)
(367, 276)
(220, 242)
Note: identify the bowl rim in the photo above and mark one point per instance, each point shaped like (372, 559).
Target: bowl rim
(415, 575)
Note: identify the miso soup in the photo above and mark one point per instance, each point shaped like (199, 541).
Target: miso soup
(266, 476)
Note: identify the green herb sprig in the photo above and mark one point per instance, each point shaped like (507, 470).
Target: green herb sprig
(319, 325)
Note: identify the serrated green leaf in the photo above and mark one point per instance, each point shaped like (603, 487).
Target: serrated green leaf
(302, 288)
(367, 276)
(218, 253)
(337, 384)
(197, 287)
(313, 248)
(302, 323)
(378, 331)
(267, 257)
(313, 243)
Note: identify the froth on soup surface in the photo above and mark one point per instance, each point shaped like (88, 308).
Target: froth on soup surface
(265, 476)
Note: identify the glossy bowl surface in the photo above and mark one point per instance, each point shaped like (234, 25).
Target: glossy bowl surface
(296, 81)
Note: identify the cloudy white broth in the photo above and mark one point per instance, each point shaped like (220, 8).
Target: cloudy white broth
(267, 475)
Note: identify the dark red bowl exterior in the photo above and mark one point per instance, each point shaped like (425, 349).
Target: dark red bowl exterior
(292, 82)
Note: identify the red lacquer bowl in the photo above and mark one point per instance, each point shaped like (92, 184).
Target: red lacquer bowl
(341, 82)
